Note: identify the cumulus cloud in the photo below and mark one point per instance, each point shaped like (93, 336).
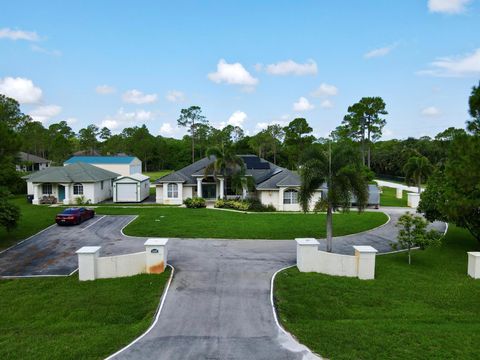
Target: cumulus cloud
(458, 66)
(383, 51)
(124, 119)
(233, 73)
(175, 96)
(237, 119)
(21, 89)
(326, 104)
(104, 89)
(291, 67)
(431, 111)
(302, 105)
(44, 113)
(7, 33)
(325, 90)
(137, 97)
(448, 6)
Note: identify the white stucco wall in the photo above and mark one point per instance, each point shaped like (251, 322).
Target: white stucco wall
(275, 198)
(91, 191)
(159, 193)
(173, 201)
(121, 265)
(121, 169)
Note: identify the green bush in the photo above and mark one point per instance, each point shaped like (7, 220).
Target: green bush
(195, 203)
(244, 205)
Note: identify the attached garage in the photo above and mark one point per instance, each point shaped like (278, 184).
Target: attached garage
(131, 188)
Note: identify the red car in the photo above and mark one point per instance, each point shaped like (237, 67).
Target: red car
(74, 216)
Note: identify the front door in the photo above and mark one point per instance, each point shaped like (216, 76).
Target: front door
(209, 191)
(61, 192)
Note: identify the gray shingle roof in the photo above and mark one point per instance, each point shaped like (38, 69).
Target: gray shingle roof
(32, 158)
(78, 172)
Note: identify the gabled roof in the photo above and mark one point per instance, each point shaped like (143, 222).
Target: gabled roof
(138, 177)
(32, 158)
(78, 172)
(101, 159)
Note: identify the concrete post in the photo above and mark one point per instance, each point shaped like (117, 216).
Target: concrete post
(399, 194)
(87, 262)
(36, 194)
(199, 187)
(156, 255)
(474, 264)
(222, 183)
(306, 251)
(365, 259)
(413, 200)
(66, 201)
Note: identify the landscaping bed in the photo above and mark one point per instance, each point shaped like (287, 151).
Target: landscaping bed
(428, 310)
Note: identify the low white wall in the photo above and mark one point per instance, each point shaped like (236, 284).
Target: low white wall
(310, 259)
(121, 265)
(474, 264)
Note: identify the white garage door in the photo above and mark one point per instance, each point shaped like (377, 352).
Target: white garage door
(126, 192)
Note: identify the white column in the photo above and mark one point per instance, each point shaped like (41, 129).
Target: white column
(474, 264)
(67, 194)
(306, 251)
(365, 259)
(87, 262)
(399, 193)
(222, 183)
(156, 255)
(36, 194)
(199, 187)
(280, 199)
(413, 200)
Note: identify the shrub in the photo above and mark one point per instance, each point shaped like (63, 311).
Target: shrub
(195, 203)
(244, 205)
(81, 200)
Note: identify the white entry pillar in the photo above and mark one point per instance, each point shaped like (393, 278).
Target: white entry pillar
(306, 254)
(66, 200)
(199, 187)
(87, 262)
(156, 255)
(222, 184)
(474, 264)
(365, 259)
(413, 200)
(36, 194)
(399, 194)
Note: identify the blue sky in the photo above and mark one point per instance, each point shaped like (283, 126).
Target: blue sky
(248, 63)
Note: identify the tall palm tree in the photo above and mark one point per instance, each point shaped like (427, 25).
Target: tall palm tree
(341, 168)
(226, 163)
(416, 169)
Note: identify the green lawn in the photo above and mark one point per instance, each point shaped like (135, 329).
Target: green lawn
(428, 310)
(63, 318)
(208, 223)
(388, 197)
(154, 175)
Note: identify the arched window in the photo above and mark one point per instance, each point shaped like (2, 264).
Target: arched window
(77, 189)
(290, 197)
(172, 190)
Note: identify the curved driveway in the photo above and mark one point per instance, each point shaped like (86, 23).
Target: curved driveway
(218, 305)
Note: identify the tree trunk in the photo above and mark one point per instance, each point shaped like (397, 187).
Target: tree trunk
(329, 228)
(193, 141)
(419, 184)
(368, 149)
(409, 256)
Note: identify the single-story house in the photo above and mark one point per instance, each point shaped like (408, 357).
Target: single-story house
(30, 162)
(123, 165)
(66, 183)
(273, 185)
(131, 188)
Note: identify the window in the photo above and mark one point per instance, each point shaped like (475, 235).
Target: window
(46, 189)
(290, 197)
(101, 185)
(172, 191)
(77, 189)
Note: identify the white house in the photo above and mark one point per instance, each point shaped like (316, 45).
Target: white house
(64, 184)
(123, 165)
(30, 162)
(131, 188)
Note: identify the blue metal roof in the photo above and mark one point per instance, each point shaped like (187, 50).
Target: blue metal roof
(101, 159)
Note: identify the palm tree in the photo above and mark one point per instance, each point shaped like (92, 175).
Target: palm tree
(226, 163)
(344, 174)
(416, 169)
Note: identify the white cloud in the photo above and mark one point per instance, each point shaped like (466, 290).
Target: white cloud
(137, 97)
(124, 119)
(175, 96)
(237, 118)
(302, 105)
(291, 67)
(7, 33)
(326, 104)
(430, 111)
(448, 6)
(458, 66)
(45, 112)
(42, 50)
(70, 121)
(21, 89)
(105, 89)
(263, 125)
(325, 90)
(383, 51)
(234, 74)
(387, 134)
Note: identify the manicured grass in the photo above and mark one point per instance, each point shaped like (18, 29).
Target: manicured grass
(428, 310)
(388, 197)
(62, 318)
(154, 175)
(33, 219)
(208, 223)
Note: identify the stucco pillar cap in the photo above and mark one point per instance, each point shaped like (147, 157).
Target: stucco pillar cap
(307, 241)
(88, 250)
(365, 249)
(474, 253)
(156, 242)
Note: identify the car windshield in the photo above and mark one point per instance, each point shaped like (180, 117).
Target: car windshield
(70, 211)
